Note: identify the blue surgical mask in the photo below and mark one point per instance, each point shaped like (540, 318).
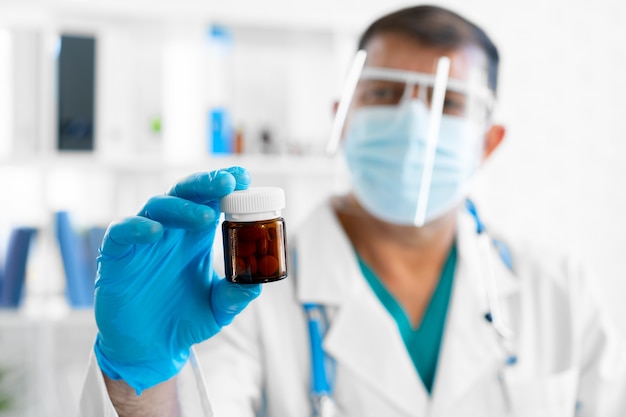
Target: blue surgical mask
(385, 148)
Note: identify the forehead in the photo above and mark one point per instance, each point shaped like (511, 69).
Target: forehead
(399, 51)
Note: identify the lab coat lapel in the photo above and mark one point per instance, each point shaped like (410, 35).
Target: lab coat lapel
(325, 261)
(364, 341)
(362, 338)
(471, 350)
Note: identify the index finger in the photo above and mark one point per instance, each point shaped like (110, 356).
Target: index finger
(203, 187)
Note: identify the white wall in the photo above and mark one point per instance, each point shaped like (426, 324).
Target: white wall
(558, 178)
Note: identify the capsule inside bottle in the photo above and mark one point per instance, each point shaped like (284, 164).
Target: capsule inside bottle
(255, 252)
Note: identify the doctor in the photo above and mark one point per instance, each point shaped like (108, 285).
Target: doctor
(399, 301)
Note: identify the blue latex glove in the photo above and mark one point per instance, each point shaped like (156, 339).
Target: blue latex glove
(156, 292)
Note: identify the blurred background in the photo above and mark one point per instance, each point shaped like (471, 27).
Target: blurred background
(104, 103)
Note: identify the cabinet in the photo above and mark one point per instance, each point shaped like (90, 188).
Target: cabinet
(44, 360)
(150, 69)
(153, 62)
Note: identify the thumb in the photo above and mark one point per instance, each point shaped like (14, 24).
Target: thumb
(229, 299)
(121, 236)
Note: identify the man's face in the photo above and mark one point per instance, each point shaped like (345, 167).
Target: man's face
(398, 51)
(409, 163)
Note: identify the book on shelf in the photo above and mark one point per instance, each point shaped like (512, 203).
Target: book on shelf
(79, 260)
(13, 274)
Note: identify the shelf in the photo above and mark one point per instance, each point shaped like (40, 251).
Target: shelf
(20, 319)
(258, 164)
(297, 16)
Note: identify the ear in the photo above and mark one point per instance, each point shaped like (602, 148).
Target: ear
(493, 139)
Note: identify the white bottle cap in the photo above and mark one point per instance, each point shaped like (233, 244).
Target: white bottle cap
(253, 204)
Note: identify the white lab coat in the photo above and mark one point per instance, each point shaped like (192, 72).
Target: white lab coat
(572, 362)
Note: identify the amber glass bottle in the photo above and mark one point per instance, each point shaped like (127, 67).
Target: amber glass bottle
(254, 235)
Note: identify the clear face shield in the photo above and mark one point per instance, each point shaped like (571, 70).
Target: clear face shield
(412, 140)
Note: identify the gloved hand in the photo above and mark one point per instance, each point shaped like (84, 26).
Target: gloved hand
(156, 292)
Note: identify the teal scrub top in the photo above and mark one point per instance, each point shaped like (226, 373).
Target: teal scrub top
(423, 343)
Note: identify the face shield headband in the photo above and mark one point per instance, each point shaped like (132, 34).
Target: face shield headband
(412, 140)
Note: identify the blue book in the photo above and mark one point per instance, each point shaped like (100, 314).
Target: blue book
(78, 273)
(15, 266)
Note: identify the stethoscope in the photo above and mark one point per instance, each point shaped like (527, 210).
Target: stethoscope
(323, 366)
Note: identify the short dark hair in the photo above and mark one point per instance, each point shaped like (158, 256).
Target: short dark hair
(438, 27)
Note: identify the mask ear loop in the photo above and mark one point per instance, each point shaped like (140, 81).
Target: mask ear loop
(344, 102)
(436, 109)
